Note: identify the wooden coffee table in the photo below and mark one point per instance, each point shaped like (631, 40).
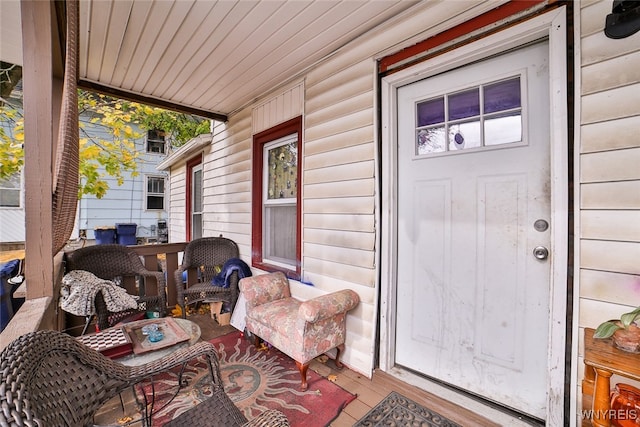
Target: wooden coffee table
(191, 328)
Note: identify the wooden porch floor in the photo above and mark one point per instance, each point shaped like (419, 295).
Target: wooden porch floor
(372, 391)
(369, 391)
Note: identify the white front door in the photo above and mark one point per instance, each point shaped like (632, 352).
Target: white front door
(473, 280)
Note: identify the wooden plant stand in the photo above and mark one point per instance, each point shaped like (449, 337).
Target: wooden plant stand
(602, 359)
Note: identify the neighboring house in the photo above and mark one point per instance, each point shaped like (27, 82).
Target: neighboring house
(460, 247)
(139, 200)
(12, 211)
(469, 168)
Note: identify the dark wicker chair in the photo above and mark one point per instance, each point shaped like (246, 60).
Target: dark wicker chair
(117, 263)
(48, 378)
(203, 258)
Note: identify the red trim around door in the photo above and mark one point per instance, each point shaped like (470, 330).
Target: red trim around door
(501, 12)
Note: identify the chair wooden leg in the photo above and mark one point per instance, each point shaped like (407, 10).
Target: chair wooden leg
(303, 375)
(339, 351)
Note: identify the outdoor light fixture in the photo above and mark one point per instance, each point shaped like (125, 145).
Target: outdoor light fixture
(624, 19)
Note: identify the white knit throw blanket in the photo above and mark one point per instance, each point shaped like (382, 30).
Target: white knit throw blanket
(79, 290)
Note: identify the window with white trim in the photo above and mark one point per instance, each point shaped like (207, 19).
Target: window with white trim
(279, 201)
(155, 193)
(276, 239)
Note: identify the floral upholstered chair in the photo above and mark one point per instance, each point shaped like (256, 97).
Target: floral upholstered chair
(302, 330)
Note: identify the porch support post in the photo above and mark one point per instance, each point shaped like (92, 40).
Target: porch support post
(42, 95)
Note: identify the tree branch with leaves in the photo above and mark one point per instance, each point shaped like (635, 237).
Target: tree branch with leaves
(115, 155)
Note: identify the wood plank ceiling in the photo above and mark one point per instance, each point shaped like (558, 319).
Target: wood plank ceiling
(215, 56)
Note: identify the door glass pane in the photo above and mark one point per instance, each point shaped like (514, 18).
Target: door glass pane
(430, 112)
(502, 96)
(464, 104)
(465, 135)
(504, 129)
(431, 140)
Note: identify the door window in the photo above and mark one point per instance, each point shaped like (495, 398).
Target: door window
(485, 115)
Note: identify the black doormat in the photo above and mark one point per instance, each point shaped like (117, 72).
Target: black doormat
(397, 410)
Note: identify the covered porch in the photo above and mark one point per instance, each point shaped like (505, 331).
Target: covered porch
(346, 81)
(244, 94)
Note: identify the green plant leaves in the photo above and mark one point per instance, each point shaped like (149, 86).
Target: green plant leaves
(606, 329)
(628, 318)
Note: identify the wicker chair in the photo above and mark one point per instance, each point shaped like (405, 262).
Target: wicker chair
(48, 378)
(203, 258)
(117, 263)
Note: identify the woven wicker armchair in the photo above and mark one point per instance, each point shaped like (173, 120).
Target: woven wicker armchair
(48, 378)
(117, 262)
(204, 257)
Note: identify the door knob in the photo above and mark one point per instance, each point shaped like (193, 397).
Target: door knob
(540, 252)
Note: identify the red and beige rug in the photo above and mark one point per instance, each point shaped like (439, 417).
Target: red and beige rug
(256, 381)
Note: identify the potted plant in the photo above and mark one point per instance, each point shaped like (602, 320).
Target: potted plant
(624, 331)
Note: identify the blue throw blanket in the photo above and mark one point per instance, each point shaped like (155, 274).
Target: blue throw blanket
(233, 264)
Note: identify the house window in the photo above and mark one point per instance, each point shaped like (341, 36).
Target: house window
(155, 141)
(194, 200)
(277, 175)
(10, 191)
(473, 118)
(155, 193)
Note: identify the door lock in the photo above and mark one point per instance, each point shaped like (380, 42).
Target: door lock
(540, 252)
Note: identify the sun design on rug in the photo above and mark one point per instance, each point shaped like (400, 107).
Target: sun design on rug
(256, 381)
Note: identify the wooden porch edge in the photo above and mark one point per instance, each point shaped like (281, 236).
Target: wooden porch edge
(30, 318)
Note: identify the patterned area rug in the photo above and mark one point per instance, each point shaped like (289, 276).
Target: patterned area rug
(255, 381)
(397, 410)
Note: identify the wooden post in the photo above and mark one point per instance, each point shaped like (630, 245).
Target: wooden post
(42, 95)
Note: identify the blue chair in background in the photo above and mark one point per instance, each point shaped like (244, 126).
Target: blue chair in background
(8, 304)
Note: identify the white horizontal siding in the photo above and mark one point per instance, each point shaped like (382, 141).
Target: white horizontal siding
(617, 165)
(343, 172)
(227, 183)
(12, 228)
(609, 176)
(610, 225)
(611, 104)
(341, 239)
(605, 286)
(610, 135)
(591, 14)
(621, 71)
(597, 47)
(177, 203)
(339, 190)
(614, 256)
(610, 195)
(328, 221)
